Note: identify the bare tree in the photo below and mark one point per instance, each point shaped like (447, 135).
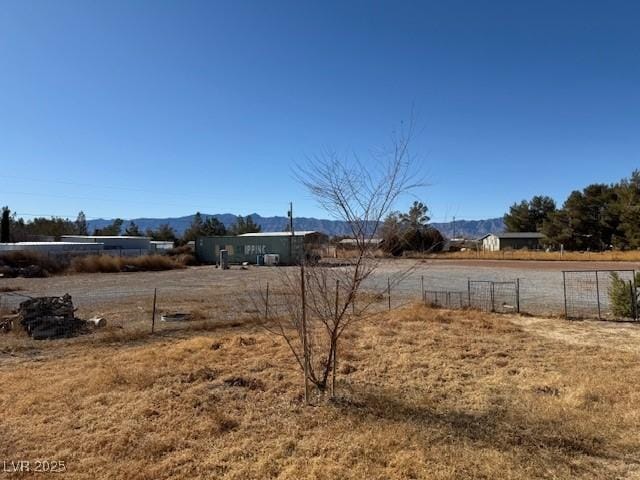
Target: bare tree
(316, 304)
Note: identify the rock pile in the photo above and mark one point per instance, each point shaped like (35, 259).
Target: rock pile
(49, 317)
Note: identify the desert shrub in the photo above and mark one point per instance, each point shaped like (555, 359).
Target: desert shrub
(184, 249)
(14, 261)
(186, 259)
(624, 301)
(152, 263)
(109, 264)
(96, 264)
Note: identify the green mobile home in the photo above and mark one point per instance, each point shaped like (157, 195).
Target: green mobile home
(250, 246)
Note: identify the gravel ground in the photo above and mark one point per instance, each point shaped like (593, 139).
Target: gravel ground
(541, 285)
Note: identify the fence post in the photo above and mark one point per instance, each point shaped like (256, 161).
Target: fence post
(266, 303)
(335, 347)
(564, 287)
(635, 296)
(517, 295)
(598, 295)
(633, 300)
(469, 292)
(389, 291)
(153, 314)
(493, 298)
(424, 300)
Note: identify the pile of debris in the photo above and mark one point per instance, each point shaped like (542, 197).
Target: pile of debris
(49, 317)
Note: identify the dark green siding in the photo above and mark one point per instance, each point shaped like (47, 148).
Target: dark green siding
(247, 249)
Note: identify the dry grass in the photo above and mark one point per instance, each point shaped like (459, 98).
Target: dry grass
(612, 256)
(109, 264)
(424, 394)
(22, 259)
(93, 263)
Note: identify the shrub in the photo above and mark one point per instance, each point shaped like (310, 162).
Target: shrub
(109, 264)
(624, 301)
(19, 260)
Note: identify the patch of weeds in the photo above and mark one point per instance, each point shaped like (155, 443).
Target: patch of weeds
(250, 383)
(204, 374)
(547, 390)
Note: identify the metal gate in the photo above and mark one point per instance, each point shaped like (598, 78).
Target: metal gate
(490, 296)
(601, 294)
(443, 298)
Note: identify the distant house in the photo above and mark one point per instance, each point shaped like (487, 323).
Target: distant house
(494, 242)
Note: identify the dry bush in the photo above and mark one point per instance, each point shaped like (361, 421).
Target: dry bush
(187, 259)
(184, 249)
(96, 264)
(24, 259)
(110, 264)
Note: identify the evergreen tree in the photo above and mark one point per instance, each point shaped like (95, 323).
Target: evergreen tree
(110, 230)
(203, 228)
(417, 216)
(133, 230)
(529, 216)
(81, 224)
(244, 225)
(164, 233)
(5, 225)
(213, 227)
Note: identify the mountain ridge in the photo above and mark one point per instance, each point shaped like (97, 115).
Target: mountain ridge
(463, 228)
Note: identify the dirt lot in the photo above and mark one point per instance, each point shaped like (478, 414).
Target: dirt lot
(422, 394)
(225, 291)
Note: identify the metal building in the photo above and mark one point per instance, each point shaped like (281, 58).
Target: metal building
(251, 247)
(494, 242)
(115, 244)
(53, 247)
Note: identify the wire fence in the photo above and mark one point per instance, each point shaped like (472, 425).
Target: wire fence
(210, 301)
(602, 294)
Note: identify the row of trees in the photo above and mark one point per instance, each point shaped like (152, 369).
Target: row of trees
(598, 217)
(14, 229)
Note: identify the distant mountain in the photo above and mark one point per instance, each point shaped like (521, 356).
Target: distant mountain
(463, 228)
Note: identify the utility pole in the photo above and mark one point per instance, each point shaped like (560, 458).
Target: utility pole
(290, 214)
(454, 227)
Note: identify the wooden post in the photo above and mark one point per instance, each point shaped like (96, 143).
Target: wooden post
(518, 295)
(335, 346)
(389, 291)
(305, 350)
(153, 314)
(493, 298)
(469, 292)
(266, 303)
(634, 296)
(633, 300)
(564, 287)
(424, 300)
(598, 295)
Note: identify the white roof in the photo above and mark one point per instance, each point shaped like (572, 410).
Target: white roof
(99, 237)
(296, 233)
(31, 244)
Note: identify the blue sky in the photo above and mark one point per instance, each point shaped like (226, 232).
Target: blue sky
(158, 108)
